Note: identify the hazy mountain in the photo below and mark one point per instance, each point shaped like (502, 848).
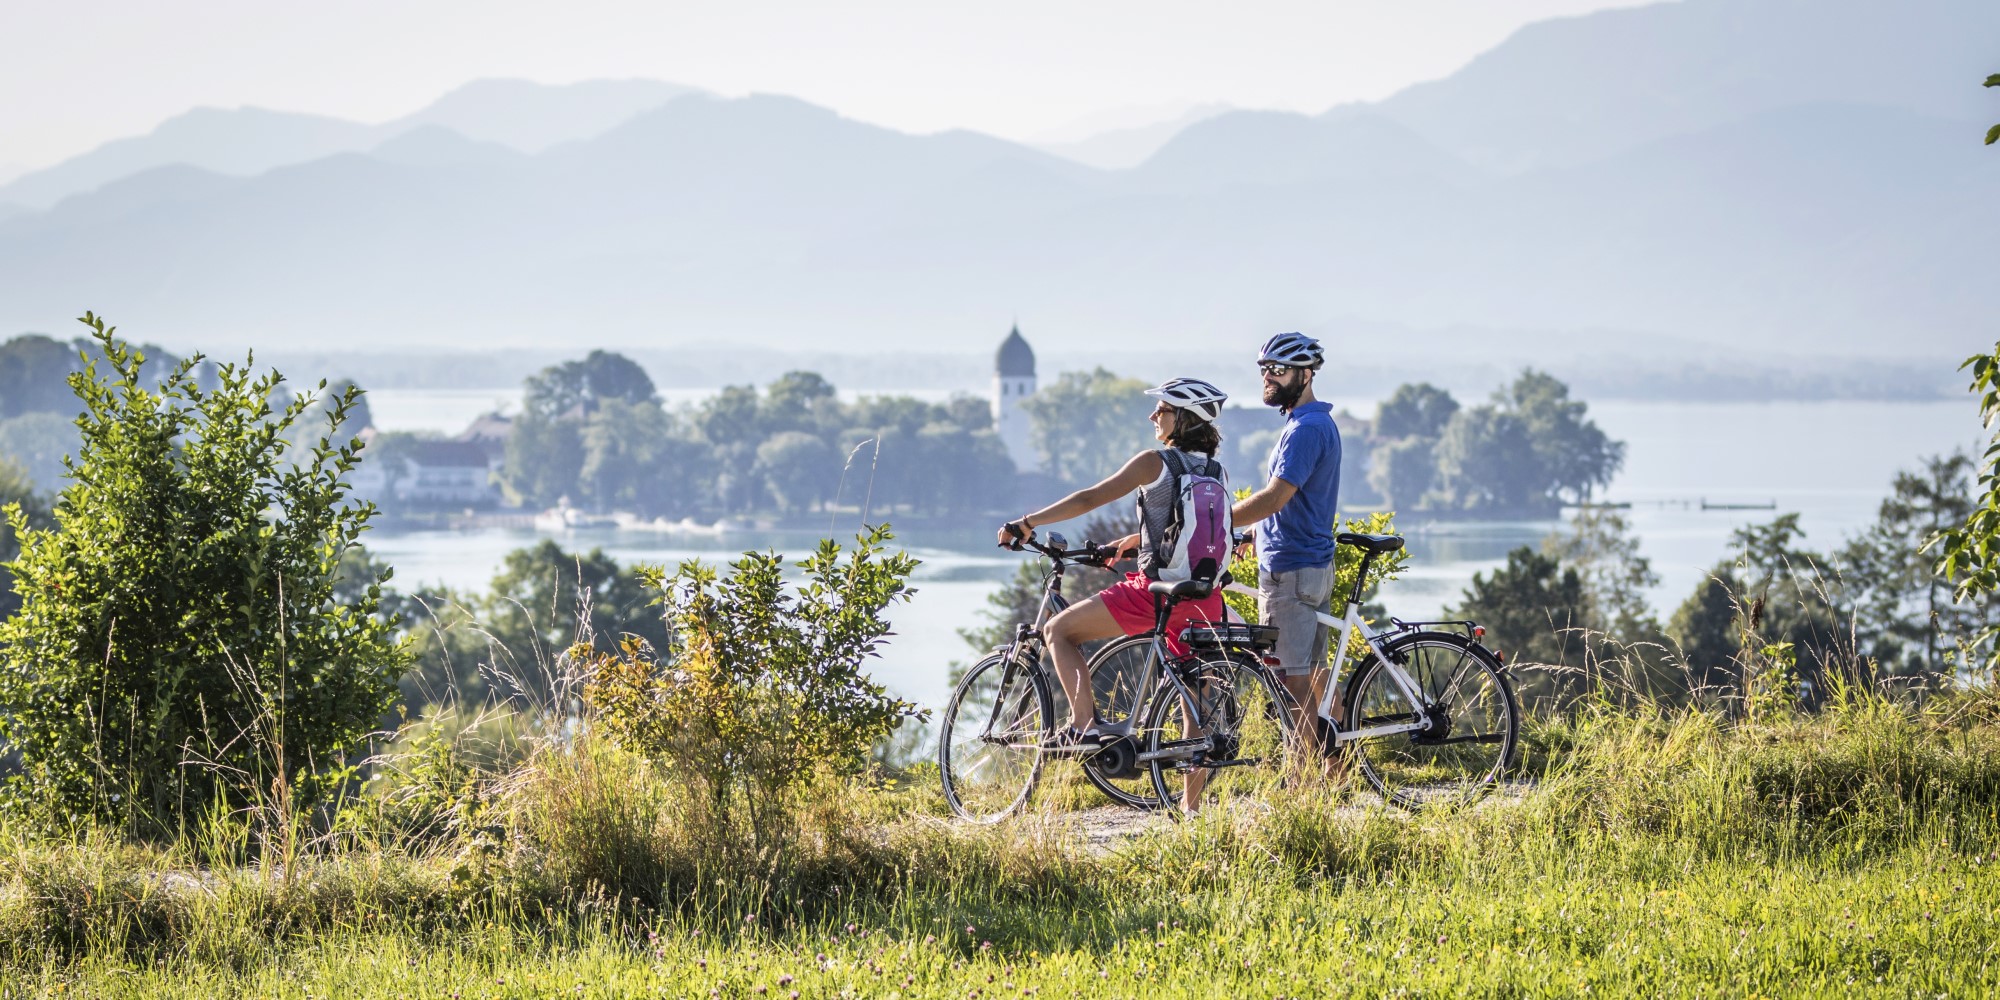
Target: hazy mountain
(242, 141)
(1756, 220)
(246, 141)
(1122, 146)
(437, 146)
(531, 117)
(1574, 89)
(1275, 147)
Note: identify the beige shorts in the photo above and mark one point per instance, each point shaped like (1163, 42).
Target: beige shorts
(1293, 601)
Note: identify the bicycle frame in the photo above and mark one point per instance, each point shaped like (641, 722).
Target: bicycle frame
(1349, 626)
(1340, 631)
(1053, 603)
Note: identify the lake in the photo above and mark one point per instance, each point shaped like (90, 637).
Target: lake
(1832, 462)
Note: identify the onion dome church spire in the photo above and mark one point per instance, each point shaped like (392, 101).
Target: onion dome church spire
(1013, 383)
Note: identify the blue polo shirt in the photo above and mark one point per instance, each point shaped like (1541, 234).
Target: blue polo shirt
(1307, 456)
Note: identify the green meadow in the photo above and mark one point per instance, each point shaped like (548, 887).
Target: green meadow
(1645, 853)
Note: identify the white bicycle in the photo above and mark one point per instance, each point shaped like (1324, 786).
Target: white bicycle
(1428, 714)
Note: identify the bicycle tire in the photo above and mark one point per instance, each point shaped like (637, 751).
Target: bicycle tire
(1246, 713)
(1472, 708)
(988, 778)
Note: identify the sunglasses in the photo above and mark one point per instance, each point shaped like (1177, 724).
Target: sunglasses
(1276, 370)
(1162, 409)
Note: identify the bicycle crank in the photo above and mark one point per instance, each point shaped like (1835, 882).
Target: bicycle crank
(1117, 759)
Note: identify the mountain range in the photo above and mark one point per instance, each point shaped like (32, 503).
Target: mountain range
(1778, 178)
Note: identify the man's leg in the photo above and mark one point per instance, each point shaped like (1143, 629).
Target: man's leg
(1292, 602)
(1084, 621)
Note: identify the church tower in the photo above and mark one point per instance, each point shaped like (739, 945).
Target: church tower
(1013, 383)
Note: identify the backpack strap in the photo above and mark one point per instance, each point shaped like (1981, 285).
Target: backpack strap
(1173, 463)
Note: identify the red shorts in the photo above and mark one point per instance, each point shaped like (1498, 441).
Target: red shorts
(1131, 606)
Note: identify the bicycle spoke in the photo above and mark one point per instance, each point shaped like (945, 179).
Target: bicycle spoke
(1470, 723)
(990, 748)
(1236, 728)
(1119, 676)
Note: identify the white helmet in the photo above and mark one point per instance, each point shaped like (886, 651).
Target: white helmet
(1294, 349)
(1192, 395)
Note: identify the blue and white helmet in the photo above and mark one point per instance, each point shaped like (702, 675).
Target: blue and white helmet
(1294, 349)
(1192, 395)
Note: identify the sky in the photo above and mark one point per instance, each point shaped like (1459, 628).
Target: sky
(76, 73)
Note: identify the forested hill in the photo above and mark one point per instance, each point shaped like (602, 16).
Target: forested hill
(1768, 174)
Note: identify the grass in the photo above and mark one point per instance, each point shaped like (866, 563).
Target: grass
(1851, 851)
(1914, 923)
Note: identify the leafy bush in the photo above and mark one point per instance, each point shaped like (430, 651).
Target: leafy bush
(179, 643)
(1346, 565)
(758, 691)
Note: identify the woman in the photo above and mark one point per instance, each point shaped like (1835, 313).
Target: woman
(1184, 421)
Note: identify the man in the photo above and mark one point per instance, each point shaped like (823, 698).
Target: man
(1295, 514)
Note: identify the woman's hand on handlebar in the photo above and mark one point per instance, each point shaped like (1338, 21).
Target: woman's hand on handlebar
(1013, 532)
(1123, 548)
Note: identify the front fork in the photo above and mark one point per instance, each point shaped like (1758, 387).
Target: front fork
(1025, 635)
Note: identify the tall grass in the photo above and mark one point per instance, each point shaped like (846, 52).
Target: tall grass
(518, 836)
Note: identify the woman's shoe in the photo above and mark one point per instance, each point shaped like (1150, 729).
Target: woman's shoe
(1069, 738)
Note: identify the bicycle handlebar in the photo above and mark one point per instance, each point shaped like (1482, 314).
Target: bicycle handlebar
(1091, 553)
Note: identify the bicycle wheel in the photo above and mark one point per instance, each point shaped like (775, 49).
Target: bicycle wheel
(1246, 716)
(990, 749)
(1473, 721)
(1118, 675)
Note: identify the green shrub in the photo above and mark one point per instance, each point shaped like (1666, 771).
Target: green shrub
(179, 643)
(759, 690)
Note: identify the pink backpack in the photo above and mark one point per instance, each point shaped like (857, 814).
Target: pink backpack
(1196, 541)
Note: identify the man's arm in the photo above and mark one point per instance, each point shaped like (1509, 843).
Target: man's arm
(1263, 503)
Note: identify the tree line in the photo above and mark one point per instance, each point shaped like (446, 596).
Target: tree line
(1525, 452)
(596, 432)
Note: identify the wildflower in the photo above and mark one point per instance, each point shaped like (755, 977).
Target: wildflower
(785, 980)
(985, 946)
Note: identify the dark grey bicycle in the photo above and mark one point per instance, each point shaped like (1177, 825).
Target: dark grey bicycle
(1174, 725)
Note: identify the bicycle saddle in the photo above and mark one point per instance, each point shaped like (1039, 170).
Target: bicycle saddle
(1370, 543)
(1189, 590)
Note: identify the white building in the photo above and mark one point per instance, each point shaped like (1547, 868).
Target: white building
(1013, 383)
(433, 472)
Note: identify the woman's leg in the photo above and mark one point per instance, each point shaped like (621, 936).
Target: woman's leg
(1084, 621)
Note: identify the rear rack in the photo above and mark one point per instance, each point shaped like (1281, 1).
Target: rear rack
(1471, 628)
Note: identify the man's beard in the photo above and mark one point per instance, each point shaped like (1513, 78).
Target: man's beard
(1284, 397)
